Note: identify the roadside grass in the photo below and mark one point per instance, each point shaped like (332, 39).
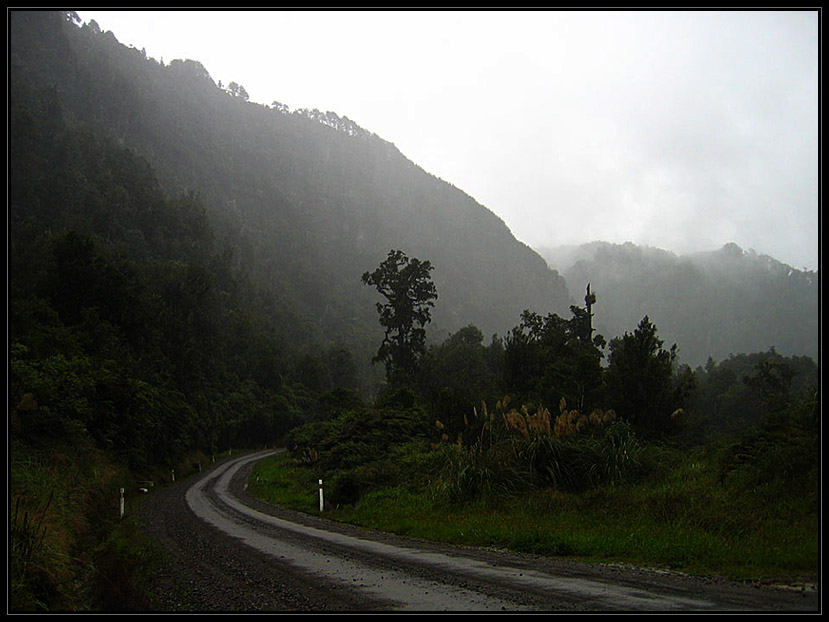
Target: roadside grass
(680, 518)
(58, 500)
(125, 566)
(69, 550)
(279, 481)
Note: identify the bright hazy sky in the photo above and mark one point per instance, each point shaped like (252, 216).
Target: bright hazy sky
(680, 130)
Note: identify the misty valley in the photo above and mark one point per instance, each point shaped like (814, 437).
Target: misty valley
(192, 274)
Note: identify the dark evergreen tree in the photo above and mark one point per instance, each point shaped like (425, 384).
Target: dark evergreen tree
(407, 286)
(547, 358)
(641, 381)
(458, 374)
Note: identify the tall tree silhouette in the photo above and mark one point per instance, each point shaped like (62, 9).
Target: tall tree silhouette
(410, 293)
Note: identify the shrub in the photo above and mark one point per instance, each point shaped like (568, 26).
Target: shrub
(781, 459)
(358, 450)
(480, 471)
(519, 450)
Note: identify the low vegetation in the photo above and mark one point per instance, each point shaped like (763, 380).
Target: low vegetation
(69, 547)
(734, 509)
(657, 483)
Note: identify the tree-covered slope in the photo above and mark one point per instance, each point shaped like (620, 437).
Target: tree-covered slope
(716, 303)
(310, 199)
(127, 328)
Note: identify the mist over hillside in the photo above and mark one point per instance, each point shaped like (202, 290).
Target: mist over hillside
(716, 303)
(306, 201)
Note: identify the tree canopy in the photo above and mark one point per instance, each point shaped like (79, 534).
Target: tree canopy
(407, 286)
(641, 382)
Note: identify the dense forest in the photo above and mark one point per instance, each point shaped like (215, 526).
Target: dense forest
(190, 272)
(713, 304)
(308, 200)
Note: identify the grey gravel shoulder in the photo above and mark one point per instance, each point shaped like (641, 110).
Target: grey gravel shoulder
(789, 594)
(206, 570)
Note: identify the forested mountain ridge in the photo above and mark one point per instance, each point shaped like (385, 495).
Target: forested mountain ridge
(308, 200)
(711, 304)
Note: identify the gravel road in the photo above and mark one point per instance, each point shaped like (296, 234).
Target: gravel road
(230, 552)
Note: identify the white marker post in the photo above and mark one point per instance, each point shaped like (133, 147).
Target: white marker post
(121, 504)
(321, 503)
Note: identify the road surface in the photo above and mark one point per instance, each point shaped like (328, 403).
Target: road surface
(230, 552)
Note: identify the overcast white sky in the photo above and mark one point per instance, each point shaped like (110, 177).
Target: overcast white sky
(680, 130)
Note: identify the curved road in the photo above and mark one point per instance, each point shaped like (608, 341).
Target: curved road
(232, 552)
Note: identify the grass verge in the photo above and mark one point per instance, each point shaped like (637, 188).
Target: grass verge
(679, 518)
(69, 550)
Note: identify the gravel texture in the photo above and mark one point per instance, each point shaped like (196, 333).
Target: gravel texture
(209, 571)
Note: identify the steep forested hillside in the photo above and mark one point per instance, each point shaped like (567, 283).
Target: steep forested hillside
(127, 326)
(713, 304)
(185, 279)
(309, 200)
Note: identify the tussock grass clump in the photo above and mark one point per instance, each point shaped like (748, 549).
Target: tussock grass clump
(31, 584)
(62, 499)
(516, 450)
